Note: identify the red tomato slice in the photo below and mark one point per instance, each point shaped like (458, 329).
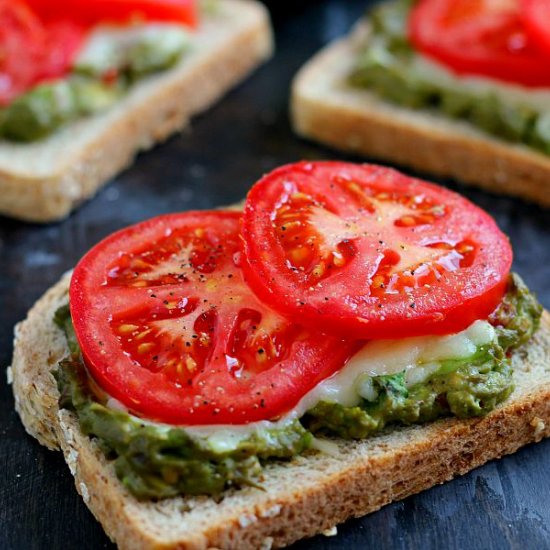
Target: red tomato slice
(480, 37)
(371, 253)
(168, 326)
(32, 52)
(94, 11)
(536, 16)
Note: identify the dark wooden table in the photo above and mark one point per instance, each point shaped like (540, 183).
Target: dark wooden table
(505, 504)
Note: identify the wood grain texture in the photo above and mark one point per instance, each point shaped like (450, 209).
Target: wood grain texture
(504, 504)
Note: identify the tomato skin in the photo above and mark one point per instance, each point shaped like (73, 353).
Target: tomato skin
(536, 17)
(96, 11)
(33, 51)
(473, 37)
(105, 300)
(346, 300)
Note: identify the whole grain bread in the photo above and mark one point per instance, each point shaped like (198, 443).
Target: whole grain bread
(44, 181)
(305, 496)
(326, 109)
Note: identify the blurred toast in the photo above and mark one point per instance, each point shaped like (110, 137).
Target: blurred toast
(44, 181)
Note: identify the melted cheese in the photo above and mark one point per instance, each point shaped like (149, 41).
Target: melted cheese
(108, 46)
(418, 357)
(382, 357)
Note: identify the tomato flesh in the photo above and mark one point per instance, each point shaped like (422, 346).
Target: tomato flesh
(371, 253)
(168, 326)
(480, 37)
(32, 51)
(96, 11)
(536, 16)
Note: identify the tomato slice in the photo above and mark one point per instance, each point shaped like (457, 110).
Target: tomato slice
(31, 51)
(480, 37)
(95, 11)
(371, 253)
(536, 16)
(168, 326)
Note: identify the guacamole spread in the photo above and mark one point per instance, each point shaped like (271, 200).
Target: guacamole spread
(388, 66)
(158, 461)
(112, 62)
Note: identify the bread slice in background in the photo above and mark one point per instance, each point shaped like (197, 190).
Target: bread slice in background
(45, 180)
(305, 496)
(326, 109)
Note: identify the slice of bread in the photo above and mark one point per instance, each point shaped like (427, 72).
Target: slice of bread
(326, 109)
(302, 497)
(44, 181)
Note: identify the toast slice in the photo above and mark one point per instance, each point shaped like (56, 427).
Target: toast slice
(44, 181)
(326, 109)
(305, 496)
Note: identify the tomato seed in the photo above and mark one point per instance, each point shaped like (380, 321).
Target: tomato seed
(338, 259)
(138, 263)
(191, 364)
(143, 334)
(298, 255)
(146, 347)
(125, 329)
(319, 270)
(407, 221)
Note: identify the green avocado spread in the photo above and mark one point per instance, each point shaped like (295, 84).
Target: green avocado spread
(388, 66)
(158, 461)
(111, 63)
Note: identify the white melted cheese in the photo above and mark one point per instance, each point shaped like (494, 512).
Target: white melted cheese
(538, 98)
(107, 46)
(418, 357)
(381, 357)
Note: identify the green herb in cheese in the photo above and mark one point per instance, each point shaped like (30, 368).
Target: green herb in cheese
(472, 386)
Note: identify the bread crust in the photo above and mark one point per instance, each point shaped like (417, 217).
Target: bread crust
(359, 478)
(44, 181)
(324, 108)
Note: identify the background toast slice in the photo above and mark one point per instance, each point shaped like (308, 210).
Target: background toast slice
(44, 181)
(324, 108)
(302, 497)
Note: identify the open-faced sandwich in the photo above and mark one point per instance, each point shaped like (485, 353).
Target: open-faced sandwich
(457, 88)
(85, 85)
(228, 379)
